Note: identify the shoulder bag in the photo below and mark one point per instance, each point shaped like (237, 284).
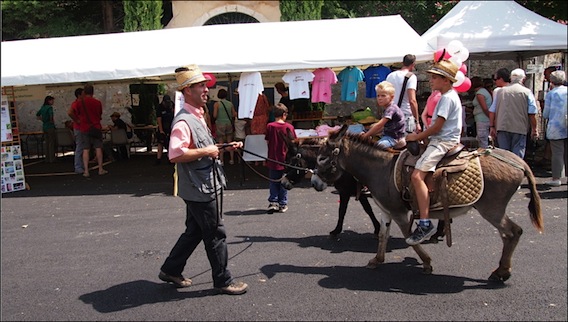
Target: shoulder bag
(229, 116)
(93, 132)
(410, 122)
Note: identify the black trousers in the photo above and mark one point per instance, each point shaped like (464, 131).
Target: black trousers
(202, 224)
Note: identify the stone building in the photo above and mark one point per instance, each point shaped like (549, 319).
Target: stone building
(202, 13)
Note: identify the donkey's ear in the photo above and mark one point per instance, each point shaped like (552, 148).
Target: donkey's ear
(285, 137)
(340, 133)
(290, 134)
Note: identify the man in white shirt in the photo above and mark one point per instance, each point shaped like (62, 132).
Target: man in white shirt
(409, 104)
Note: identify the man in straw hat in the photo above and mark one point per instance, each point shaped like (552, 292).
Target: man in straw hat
(201, 180)
(443, 134)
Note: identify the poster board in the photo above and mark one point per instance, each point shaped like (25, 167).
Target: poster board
(12, 173)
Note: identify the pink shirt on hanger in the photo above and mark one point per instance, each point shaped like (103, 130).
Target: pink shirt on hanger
(321, 85)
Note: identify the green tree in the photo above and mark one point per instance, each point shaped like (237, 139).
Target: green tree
(295, 10)
(23, 19)
(421, 15)
(554, 10)
(42, 19)
(142, 15)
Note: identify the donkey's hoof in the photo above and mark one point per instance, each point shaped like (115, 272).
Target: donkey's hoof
(499, 278)
(373, 263)
(427, 270)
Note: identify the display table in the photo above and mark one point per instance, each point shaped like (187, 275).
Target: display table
(330, 118)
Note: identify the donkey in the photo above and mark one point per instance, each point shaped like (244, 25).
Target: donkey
(502, 171)
(303, 155)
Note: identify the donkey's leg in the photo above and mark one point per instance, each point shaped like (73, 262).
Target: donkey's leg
(343, 202)
(510, 234)
(383, 237)
(364, 200)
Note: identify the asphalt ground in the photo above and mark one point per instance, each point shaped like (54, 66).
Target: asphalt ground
(90, 249)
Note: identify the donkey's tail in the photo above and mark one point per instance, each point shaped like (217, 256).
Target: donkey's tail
(534, 205)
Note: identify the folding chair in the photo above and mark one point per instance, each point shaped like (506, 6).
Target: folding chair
(65, 139)
(119, 139)
(256, 144)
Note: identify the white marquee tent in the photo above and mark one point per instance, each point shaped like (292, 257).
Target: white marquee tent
(498, 30)
(273, 46)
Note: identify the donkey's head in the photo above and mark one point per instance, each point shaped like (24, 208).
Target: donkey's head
(300, 157)
(294, 160)
(328, 160)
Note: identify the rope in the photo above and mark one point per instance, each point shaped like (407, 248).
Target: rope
(258, 173)
(278, 162)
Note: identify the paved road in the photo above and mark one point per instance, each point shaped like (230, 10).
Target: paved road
(91, 250)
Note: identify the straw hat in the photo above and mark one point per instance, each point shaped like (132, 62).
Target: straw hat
(368, 120)
(188, 75)
(445, 68)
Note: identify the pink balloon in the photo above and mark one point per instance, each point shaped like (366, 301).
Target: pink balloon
(463, 69)
(212, 80)
(438, 54)
(465, 86)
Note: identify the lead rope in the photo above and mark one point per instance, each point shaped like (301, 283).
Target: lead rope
(275, 161)
(278, 162)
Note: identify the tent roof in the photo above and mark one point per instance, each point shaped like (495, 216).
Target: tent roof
(498, 30)
(271, 46)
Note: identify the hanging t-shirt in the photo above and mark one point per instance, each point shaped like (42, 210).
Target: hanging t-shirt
(373, 76)
(298, 81)
(349, 78)
(321, 86)
(250, 86)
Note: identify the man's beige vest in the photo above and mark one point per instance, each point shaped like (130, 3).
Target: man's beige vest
(511, 110)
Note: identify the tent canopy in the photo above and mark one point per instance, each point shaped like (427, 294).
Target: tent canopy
(498, 30)
(272, 46)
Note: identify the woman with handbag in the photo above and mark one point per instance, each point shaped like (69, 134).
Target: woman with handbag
(224, 114)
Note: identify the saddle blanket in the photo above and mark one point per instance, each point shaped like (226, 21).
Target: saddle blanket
(464, 179)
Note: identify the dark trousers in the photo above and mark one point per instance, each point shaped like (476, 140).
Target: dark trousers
(202, 223)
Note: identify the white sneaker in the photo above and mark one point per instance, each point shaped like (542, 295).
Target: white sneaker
(272, 207)
(554, 183)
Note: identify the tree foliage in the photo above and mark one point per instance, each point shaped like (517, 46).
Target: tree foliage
(554, 10)
(41, 19)
(295, 10)
(25, 19)
(142, 15)
(421, 15)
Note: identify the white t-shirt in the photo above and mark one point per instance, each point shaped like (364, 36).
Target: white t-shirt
(396, 78)
(298, 81)
(450, 108)
(250, 86)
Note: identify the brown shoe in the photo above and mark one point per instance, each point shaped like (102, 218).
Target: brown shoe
(178, 281)
(234, 288)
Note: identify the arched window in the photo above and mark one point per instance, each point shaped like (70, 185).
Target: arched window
(229, 18)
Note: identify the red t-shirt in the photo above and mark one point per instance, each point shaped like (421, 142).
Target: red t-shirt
(74, 109)
(276, 146)
(95, 109)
